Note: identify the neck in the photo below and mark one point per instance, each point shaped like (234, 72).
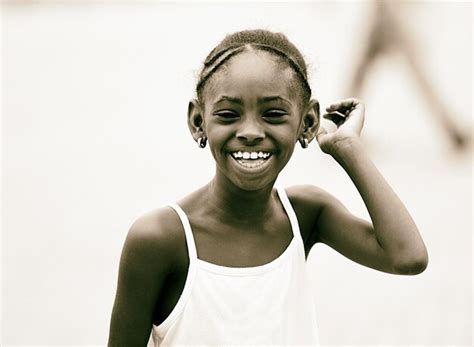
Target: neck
(229, 202)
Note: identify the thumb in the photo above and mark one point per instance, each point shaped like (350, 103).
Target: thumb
(321, 132)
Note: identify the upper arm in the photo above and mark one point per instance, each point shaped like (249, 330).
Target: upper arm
(145, 263)
(335, 226)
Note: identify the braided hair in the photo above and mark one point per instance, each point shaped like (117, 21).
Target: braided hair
(259, 39)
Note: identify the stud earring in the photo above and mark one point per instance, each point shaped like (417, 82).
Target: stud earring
(201, 142)
(304, 142)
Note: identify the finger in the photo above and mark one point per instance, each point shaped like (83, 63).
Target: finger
(335, 117)
(321, 132)
(344, 104)
(342, 108)
(360, 106)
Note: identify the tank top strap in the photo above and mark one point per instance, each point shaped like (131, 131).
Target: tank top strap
(187, 231)
(289, 212)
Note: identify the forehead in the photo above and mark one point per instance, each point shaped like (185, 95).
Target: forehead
(253, 73)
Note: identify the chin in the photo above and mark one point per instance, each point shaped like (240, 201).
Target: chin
(253, 185)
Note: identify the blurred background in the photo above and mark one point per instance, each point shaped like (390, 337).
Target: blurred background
(94, 101)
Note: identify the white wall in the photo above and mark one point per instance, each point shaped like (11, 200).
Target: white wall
(94, 134)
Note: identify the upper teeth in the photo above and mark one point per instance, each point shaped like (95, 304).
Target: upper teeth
(250, 155)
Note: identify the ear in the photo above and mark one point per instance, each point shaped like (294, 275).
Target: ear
(310, 122)
(196, 119)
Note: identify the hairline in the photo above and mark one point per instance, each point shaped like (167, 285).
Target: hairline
(279, 58)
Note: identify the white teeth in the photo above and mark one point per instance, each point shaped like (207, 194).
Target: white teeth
(252, 164)
(250, 155)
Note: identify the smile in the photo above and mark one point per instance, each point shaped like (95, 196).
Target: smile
(251, 160)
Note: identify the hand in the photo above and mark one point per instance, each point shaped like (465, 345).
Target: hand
(348, 115)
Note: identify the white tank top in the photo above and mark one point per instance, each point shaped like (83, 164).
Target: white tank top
(270, 304)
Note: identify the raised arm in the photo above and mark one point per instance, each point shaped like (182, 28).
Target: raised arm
(144, 266)
(391, 243)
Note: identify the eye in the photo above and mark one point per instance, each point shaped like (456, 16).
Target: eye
(275, 116)
(226, 116)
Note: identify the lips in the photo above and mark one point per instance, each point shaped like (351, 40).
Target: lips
(250, 155)
(251, 160)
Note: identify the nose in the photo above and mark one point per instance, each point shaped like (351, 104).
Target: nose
(250, 131)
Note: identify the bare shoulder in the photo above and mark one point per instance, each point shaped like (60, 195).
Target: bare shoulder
(308, 201)
(310, 195)
(161, 230)
(156, 237)
(151, 253)
(157, 225)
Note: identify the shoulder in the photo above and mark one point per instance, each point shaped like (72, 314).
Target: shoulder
(149, 255)
(308, 195)
(308, 201)
(156, 225)
(155, 239)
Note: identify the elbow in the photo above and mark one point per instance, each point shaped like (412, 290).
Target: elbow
(412, 266)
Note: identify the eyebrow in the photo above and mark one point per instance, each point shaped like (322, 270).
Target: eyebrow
(230, 99)
(273, 98)
(260, 100)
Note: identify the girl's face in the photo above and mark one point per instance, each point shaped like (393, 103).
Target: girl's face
(252, 118)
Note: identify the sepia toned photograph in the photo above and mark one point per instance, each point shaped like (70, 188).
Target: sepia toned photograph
(236, 173)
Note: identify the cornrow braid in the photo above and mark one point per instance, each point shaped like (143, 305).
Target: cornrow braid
(212, 66)
(294, 65)
(274, 43)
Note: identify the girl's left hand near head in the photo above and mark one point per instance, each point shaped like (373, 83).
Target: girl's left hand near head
(348, 115)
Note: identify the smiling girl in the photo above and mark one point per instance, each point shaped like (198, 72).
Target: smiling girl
(226, 265)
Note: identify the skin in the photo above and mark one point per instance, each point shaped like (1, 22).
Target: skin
(237, 218)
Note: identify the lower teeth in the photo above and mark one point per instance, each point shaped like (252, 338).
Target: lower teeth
(252, 164)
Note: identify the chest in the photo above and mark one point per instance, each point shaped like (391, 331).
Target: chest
(245, 245)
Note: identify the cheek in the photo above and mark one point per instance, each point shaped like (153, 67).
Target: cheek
(286, 138)
(286, 142)
(217, 136)
(289, 133)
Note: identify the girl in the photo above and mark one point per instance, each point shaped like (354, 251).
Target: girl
(226, 265)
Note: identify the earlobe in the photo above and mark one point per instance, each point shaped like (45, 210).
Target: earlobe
(195, 119)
